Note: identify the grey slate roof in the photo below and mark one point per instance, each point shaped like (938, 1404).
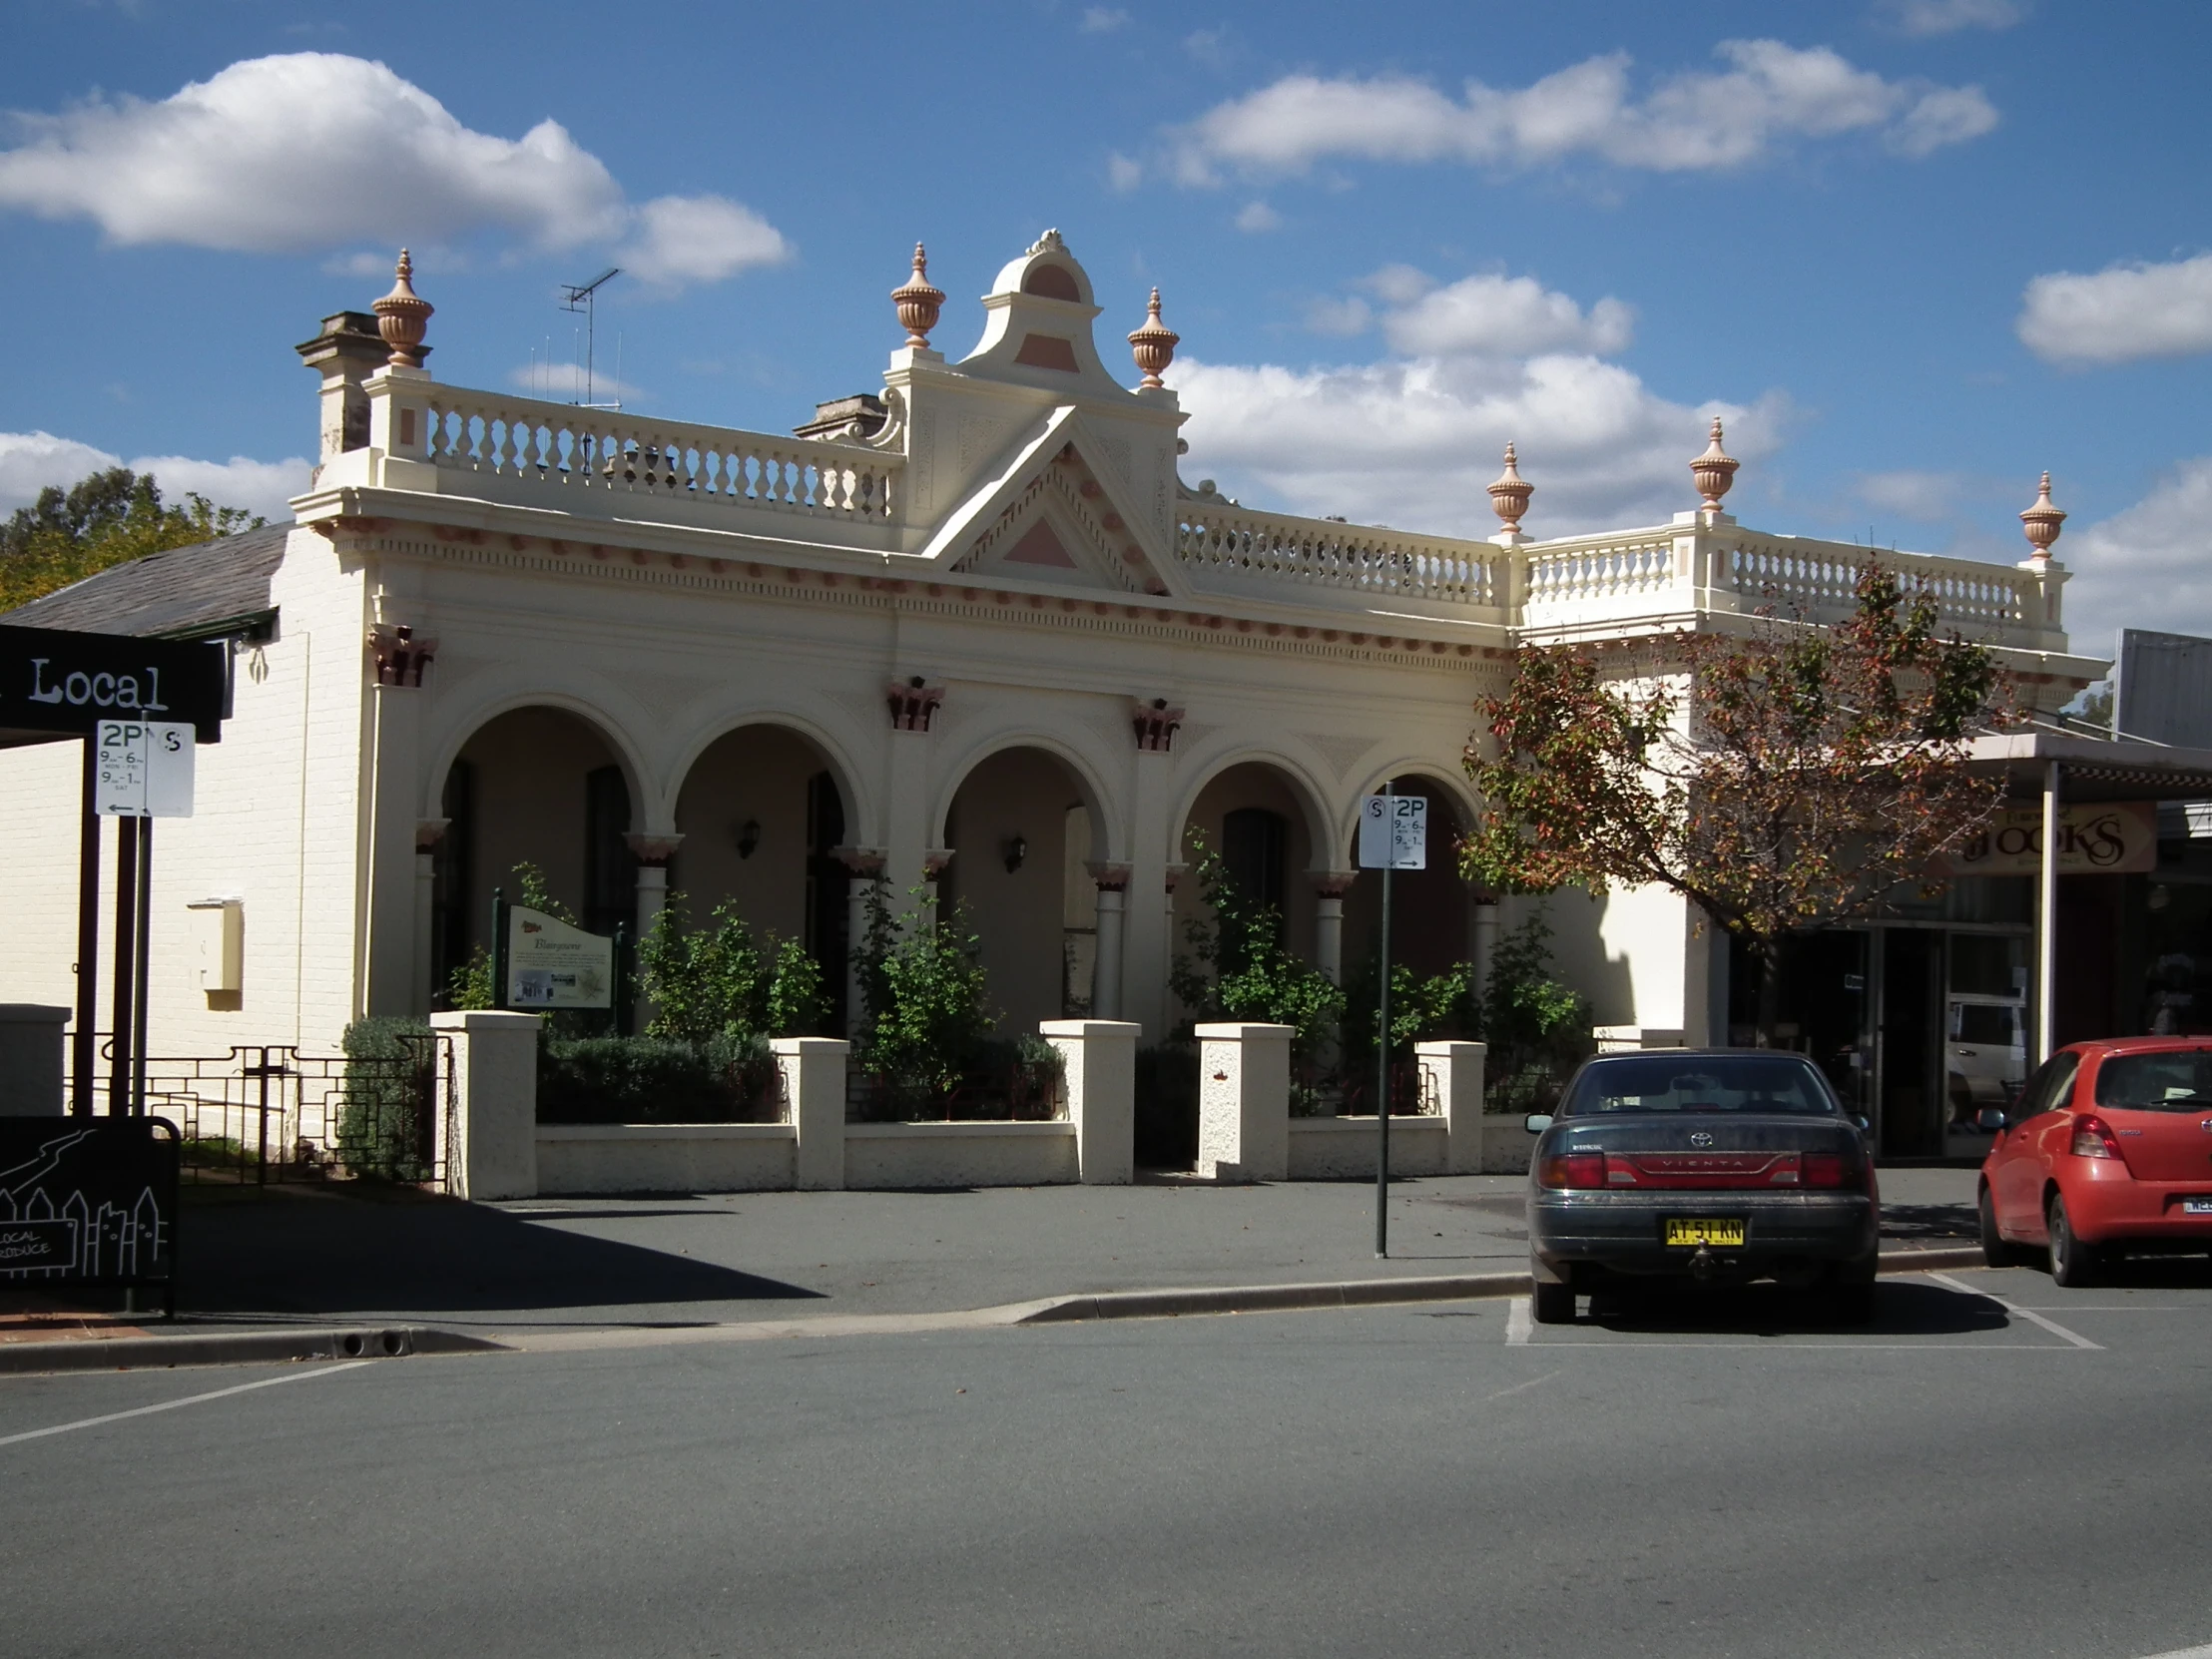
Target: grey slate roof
(185, 591)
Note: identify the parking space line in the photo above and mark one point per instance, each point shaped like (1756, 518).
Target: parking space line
(2029, 1313)
(189, 1400)
(1518, 1325)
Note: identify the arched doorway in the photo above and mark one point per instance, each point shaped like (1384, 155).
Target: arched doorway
(760, 813)
(1021, 832)
(538, 785)
(1255, 815)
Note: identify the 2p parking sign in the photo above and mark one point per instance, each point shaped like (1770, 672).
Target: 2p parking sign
(1393, 832)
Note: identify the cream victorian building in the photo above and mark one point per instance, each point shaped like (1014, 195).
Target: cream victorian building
(974, 630)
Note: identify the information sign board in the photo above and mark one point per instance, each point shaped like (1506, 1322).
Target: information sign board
(67, 684)
(1393, 832)
(553, 965)
(143, 768)
(87, 1201)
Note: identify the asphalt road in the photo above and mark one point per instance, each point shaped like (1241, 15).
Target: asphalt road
(1969, 1476)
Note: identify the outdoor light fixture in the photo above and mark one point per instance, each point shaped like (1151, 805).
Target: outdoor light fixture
(1017, 848)
(749, 837)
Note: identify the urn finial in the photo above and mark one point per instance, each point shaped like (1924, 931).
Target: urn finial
(1154, 344)
(2042, 521)
(1509, 495)
(918, 301)
(404, 316)
(1714, 471)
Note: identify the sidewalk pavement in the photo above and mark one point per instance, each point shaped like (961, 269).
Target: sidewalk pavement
(311, 1257)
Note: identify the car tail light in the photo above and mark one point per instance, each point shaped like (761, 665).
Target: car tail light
(1573, 1169)
(2094, 1138)
(1831, 1169)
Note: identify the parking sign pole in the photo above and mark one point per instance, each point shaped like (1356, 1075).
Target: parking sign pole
(142, 965)
(84, 1056)
(1383, 1060)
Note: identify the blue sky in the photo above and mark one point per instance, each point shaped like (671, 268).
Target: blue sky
(1915, 251)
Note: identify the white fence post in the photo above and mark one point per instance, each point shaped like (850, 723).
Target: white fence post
(31, 1059)
(812, 1070)
(1454, 1071)
(1098, 1059)
(1244, 1102)
(493, 1148)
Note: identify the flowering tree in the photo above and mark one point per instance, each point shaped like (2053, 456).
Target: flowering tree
(1791, 779)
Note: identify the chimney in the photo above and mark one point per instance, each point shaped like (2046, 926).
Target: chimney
(348, 351)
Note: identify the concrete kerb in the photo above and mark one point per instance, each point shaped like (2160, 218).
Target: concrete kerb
(238, 1348)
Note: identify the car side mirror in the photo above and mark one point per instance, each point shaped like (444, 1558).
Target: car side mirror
(1989, 1119)
(1864, 1128)
(1536, 1122)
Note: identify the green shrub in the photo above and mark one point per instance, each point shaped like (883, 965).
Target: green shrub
(389, 1092)
(1539, 1029)
(655, 1080)
(1240, 970)
(922, 989)
(716, 981)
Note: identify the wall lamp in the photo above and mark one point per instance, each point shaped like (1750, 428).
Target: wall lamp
(748, 838)
(1016, 850)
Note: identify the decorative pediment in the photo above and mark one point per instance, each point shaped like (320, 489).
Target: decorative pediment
(1056, 515)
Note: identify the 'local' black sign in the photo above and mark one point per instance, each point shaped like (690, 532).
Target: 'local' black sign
(61, 682)
(87, 1201)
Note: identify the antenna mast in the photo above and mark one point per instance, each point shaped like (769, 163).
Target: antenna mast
(584, 298)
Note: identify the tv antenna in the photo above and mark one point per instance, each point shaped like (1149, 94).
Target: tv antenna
(585, 299)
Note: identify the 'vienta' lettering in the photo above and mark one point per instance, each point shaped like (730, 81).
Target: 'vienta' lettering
(102, 690)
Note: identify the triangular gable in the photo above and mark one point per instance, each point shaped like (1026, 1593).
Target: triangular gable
(1048, 513)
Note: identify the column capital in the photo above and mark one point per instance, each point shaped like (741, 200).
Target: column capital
(1174, 873)
(860, 863)
(935, 861)
(1154, 724)
(1332, 883)
(1110, 877)
(654, 852)
(399, 657)
(914, 703)
(428, 832)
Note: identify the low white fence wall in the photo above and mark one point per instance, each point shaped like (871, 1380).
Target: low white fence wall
(497, 1149)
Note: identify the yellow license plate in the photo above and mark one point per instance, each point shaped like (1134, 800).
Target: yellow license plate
(1703, 1229)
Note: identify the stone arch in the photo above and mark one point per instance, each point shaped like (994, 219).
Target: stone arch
(1108, 840)
(1311, 798)
(1021, 848)
(862, 817)
(454, 732)
(1255, 785)
(1432, 919)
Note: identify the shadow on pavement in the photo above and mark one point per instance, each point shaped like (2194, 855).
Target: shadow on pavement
(1900, 1309)
(1929, 1221)
(316, 1252)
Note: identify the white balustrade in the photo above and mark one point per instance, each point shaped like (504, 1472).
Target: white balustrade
(566, 447)
(1368, 559)
(1820, 582)
(1586, 574)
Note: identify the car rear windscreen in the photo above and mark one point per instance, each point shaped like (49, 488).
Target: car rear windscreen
(1698, 1083)
(2173, 1082)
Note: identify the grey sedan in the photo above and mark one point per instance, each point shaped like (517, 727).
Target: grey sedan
(1706, 1165)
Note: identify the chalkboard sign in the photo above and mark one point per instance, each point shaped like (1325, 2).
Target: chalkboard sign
(87, 1201)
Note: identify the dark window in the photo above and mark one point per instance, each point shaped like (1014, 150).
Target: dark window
(610, 873)
(454, 922)
(1252, 844)
(1700, 1083)
(2049, 1088)
(826, 891)
(2171, 1082)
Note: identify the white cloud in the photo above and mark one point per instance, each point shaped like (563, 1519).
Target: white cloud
(564, 384)
(699, 239)
(1122, 174)
(1505, 317)
(1258, 217)
(2122, 314)
(1103, 20)
(1349, 316)
(1770, 93)
(314, 151)
(30, 461)
(1412, 442)
(2150, 566)
(1929, 498)
(1943, 17)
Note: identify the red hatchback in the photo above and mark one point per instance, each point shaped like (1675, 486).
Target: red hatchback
(2108, 1147)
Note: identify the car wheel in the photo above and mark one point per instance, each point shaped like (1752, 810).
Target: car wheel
(2072, 1262)
(1996, 1249)
(1552, 1304)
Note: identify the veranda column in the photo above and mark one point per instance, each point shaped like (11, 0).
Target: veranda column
(1174, 873)
(1146, 941)
(1485, 941)
(394, 779)
(864, 868)
(428, 832)
(653, 854)
(1113, 882)
(1330, 888)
